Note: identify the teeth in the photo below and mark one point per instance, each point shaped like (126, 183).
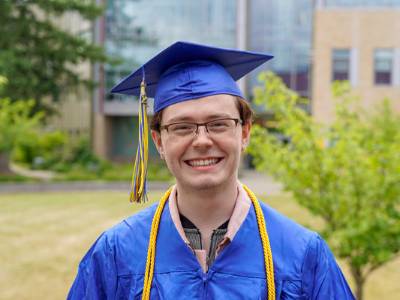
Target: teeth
(203, 162)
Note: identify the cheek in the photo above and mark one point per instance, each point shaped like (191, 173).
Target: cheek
(173, 151)
(170, 162)
(231, 146)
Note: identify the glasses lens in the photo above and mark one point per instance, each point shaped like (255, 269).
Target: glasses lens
(182, 129)
(221, 126)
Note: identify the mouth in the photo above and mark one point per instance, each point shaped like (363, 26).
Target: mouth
(204, 162)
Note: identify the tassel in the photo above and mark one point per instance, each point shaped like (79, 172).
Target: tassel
(139, 177)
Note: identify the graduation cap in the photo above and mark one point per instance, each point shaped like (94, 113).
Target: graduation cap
(183, 71)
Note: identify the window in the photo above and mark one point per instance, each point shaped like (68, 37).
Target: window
(383, 65)
(340, 64)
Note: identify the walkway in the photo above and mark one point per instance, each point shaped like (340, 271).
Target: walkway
(259, 183)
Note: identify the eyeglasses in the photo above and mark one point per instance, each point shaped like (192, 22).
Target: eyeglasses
(214, 127)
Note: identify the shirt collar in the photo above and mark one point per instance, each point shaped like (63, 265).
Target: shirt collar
(242, 206)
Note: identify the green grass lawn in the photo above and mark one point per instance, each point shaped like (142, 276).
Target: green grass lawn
(43, 236)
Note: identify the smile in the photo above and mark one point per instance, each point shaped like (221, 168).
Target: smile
(203, 162)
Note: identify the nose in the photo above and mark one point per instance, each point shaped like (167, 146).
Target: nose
(202, 137)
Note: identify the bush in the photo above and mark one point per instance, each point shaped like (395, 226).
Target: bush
(55, 151)
(41, 151)
(74, 159)
(17, 122)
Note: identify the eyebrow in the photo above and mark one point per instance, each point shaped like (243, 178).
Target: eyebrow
(191, 119)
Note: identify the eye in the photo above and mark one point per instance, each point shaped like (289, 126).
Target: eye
(182, 127)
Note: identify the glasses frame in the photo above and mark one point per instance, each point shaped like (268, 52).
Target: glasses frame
(205, 124)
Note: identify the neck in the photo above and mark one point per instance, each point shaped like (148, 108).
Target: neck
(207, 208)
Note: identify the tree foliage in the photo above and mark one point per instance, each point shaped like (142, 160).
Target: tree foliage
(347, 172)
(37, 56)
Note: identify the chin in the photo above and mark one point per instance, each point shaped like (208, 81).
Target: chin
(204, 183)
(207, 185)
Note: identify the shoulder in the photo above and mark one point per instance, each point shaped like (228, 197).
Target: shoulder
(133, 230)
(280, 225)
(138, 222)
(135, 225)
(290, 242)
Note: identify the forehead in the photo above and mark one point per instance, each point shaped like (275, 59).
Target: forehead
(201, 109)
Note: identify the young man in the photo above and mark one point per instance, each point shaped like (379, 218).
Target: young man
(209, 237)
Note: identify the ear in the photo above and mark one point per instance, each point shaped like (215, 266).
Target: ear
(156, 136)
(246, 129)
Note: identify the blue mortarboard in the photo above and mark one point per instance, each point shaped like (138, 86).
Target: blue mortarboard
(186, 71)
(183, 71)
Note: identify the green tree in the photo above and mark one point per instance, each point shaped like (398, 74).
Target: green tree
(347, 172)
(37, 56)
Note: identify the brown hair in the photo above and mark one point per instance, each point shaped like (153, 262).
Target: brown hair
(245, 112)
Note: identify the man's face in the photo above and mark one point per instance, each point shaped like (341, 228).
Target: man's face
(205, 160)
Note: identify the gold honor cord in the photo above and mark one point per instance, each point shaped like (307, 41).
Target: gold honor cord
(138, 185)
(151, 251)
(268, 263)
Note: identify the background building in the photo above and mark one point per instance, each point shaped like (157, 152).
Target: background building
(284, 29)
(74, 106)
(357, 41)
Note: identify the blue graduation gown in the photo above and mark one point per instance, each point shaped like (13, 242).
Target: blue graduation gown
(114, 266)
